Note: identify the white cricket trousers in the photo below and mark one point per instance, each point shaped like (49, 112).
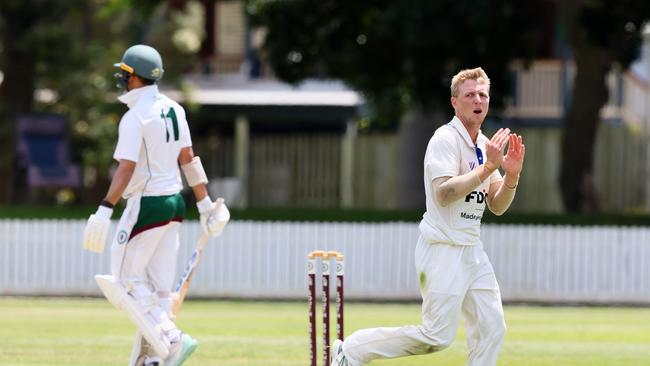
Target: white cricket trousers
(149, 257)
(146, 266)
(455, 281)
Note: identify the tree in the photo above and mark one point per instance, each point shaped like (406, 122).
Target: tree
(23, 36)
(69, 47)
(601, 33)
(401, 55)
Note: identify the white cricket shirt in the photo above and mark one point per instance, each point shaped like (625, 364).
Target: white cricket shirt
(450, 153)
(152, 133)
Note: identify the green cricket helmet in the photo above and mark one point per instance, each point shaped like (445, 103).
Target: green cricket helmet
(141, 60)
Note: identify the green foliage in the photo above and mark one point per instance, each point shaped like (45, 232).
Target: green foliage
(614, 26)
(177, 34)
(399, 54)
(68, 48)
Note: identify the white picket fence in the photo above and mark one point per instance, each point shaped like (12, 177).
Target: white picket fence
(267, 260)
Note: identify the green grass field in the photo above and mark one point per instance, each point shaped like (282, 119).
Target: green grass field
(90, 332)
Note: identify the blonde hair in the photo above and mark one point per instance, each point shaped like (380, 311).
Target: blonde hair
(468, 74)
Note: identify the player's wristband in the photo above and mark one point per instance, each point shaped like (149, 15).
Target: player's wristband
(105, 203)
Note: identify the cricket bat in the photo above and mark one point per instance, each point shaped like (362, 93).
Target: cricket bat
(186, 278)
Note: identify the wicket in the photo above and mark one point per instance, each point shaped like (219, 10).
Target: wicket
(312, 260)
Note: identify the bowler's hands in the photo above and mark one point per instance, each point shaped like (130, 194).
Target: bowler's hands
(494, 149)
(514, 159)
(214, 215)
(96, 230)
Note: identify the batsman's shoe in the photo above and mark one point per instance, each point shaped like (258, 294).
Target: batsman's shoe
(337, 356)
(181, 350)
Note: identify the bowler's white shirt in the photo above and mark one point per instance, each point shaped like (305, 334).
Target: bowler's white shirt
(450, 153)
(152, 134)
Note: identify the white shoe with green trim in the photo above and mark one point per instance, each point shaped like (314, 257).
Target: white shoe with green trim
(180, 351)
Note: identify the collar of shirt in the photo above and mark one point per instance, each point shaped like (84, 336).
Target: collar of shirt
(458, 125)
(131, 98)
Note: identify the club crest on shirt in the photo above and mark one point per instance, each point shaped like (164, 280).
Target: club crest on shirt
(472, 165)
(122, 237)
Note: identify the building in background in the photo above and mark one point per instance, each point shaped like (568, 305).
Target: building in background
(270, 144)
(267, 143)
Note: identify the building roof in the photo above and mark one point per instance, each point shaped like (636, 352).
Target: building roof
(236, 90)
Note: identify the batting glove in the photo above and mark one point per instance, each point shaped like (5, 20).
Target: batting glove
(97, 229)
(214, 216)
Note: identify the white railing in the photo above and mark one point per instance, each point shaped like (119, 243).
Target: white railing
(539, 90)
(267, 260)
(542, 89)
(635, 109)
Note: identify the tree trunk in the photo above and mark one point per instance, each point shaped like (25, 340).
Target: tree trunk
(414, 134)
(581, 121)
(16, 91)
(580, 127)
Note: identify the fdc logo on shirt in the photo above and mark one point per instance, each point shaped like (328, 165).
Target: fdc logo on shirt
(480, 197)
